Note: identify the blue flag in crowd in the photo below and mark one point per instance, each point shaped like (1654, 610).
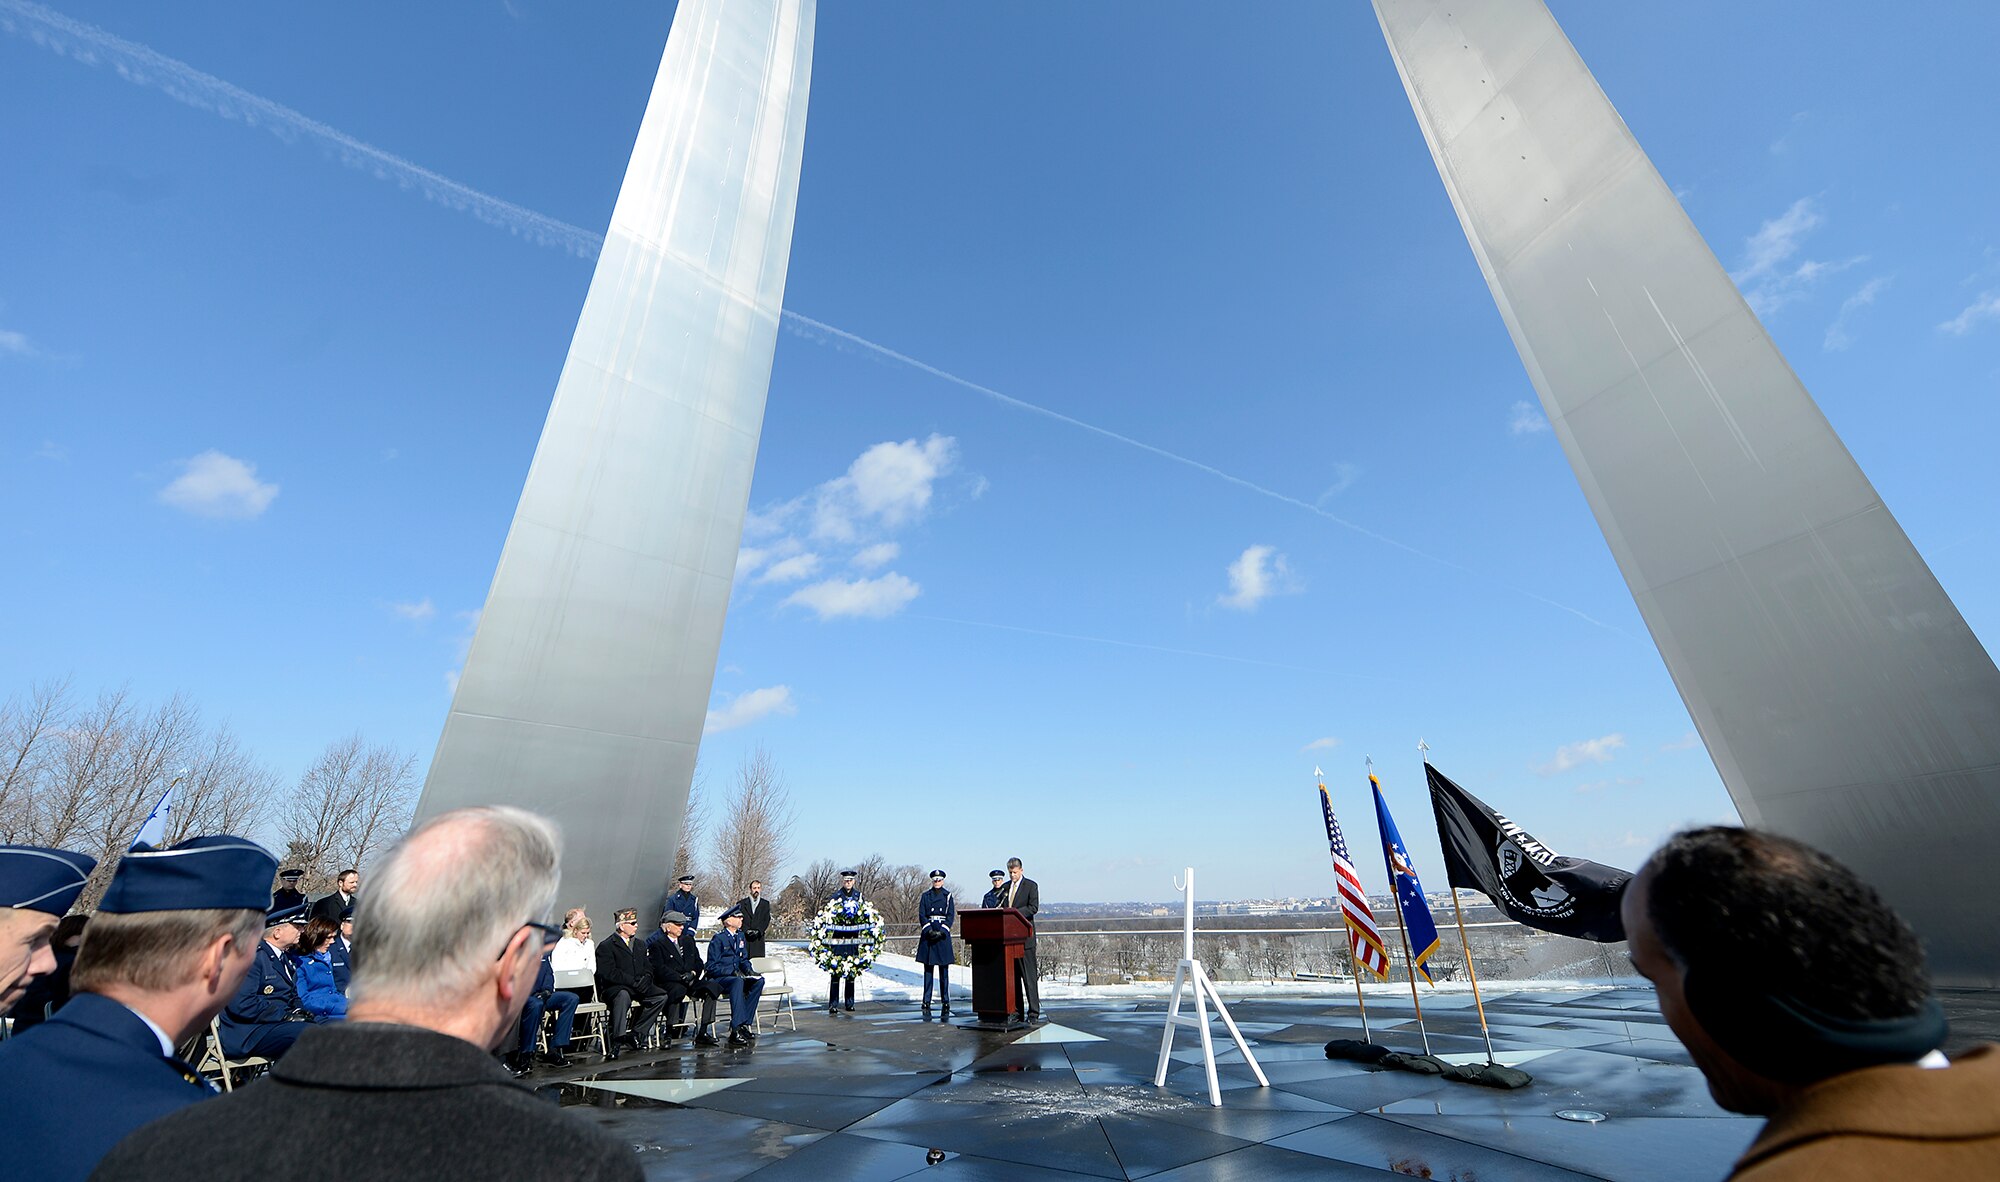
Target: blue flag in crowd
(154, 832)
(1417, 921)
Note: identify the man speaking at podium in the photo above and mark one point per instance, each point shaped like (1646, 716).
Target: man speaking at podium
(1024, 896)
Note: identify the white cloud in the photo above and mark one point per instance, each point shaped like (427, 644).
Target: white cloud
(1981, 310)
(749, 707)
(16, 343)
(1767, 278)
(1327, 744)
(873, 598)
(791, 570)
(216, 485)
(889, 485)
(1598, 750)
(451, 683)
(1525, 418)
(51, 450)
(1344, 476)
(879, 555)
(419, 611)
(390, 455)
(1686, 742)
(1257, 574)
(1837, 335)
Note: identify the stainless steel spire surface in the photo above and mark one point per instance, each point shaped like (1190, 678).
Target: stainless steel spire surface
(587, 683)
(1840, 693)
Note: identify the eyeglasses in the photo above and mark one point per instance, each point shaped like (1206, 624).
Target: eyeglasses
(550, 934)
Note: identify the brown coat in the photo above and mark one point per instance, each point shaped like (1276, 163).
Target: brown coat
(1886, 1122)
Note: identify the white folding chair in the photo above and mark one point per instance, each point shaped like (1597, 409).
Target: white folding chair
(591, 1016)
(214, 1061)
(778, 992)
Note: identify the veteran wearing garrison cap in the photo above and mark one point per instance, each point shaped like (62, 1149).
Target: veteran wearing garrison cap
(729, 971)
(175, 933)
(37, 888)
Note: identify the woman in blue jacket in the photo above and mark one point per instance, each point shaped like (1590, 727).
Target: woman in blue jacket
(312, 972)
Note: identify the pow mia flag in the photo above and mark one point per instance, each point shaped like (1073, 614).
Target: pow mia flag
(1529, 882)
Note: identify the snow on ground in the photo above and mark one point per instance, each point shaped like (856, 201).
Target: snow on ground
(897, 977)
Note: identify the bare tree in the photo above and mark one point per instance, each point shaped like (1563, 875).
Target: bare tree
(80, 773)
(29, 733)
(754, 833)
(694, 825)
(152, 757)
(820, 880)
(322, 811)
(386, 792)
(226, 790)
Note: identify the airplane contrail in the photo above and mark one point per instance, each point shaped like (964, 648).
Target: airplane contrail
(183, 83)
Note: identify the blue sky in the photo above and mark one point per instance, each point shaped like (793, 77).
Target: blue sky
(269, 399)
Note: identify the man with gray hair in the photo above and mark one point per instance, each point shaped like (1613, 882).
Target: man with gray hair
(447, 944)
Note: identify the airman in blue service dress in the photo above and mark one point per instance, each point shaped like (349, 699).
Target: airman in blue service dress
(993, 897)
(38, 886)
(847, 891)
(683, 900)
(265, 1017)
(74, 1086)
(937, 911)
(730, 972)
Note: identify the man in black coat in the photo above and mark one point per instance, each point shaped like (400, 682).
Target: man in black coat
(341, 901)
(1024, 896)
(624, 976)
(678, 969)
(411, 1069)
(756, 911)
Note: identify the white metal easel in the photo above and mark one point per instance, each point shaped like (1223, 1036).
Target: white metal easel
(1190, 977)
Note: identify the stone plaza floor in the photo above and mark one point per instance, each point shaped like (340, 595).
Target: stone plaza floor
(882, 1094)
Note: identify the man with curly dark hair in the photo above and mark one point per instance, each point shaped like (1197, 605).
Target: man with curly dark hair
(1803, 998)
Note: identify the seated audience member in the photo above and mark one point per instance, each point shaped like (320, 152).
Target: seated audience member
(312, 972)
(37, 888)
(46, 994)
(447, 945)
(265, 1017)
(729, 971)
(339, 950)
(574, 952)
(1804, 999)
(624, 977)
(175, 932)
(544, 998)
(678, 969)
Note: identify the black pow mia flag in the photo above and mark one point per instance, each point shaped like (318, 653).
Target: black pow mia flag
(1529, 882)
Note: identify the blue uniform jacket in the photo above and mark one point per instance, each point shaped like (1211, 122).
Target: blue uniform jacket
(685, 903)
(266, 996)
(937, 910)
(338, 952)
(318, 996)
(727, 952)
(74, 1086)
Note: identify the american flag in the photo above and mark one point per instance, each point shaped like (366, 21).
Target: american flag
(1362, 934)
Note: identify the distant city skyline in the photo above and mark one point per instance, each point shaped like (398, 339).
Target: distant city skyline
(1141, 435)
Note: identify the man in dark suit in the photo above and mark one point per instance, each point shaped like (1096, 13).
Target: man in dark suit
(1024, 896)
(678, 969)
(175, 932)
(265, 1017)
(756, 918)
(341, 901)
(451, 946)
(624, 976)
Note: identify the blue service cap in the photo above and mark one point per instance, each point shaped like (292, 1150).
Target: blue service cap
(36, 879)
(201, 873)
(728, 913)
(299, 913)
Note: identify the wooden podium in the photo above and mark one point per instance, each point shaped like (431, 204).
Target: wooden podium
(997, 937)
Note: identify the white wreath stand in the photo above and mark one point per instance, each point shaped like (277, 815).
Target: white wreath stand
(1191, 978)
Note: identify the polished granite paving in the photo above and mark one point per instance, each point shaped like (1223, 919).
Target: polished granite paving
(882, 1094)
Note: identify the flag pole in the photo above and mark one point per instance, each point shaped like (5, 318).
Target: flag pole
(1409, 958)
(1360, 1002)
(1353, 933)
(1424, 749)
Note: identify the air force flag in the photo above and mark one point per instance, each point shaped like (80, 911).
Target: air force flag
(1421, 930)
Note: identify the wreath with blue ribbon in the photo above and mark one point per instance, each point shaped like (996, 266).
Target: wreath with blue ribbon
(843, 924)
